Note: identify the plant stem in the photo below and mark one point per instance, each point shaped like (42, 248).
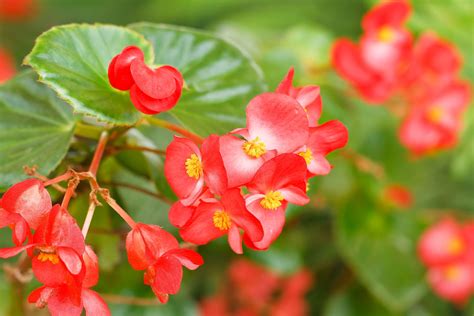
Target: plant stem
(129, 300)
(88, 220)
(117, 208)
(87, 131)
(99, 152)
(58, 179)
(174, 128)
(138, 148)
(138, 189)
(71, 190)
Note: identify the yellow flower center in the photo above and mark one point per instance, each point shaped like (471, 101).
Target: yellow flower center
(307, 155)
(435, 114)
(452, 273)
(386, 34)
(193, 167)
(221, 220)
(455, 246)
(272, 200)
(254, 148)
(51, 257)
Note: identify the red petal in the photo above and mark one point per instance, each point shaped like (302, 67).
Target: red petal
(325, 138)
(180, 215)
(61, 303)
(50, 274)
(149, 105)
(286, 84)
(319, 165)
(71, 260)
(8, 218)
(235, 240)
(272, 222)
(349, 64)
(280, 172)
(157, 84)
(215, 175)
(278, 120)
(168, 275)
(94, 304)
(178, 151)
(234, 203)
(60, 229)
(200, 229)
(40, 294)
(21, 231)
(389, 13)
(119, 68)
(188, 258)
(11, 252)
(453, 282)
(91, 263)
(294, 195)
(30, 199)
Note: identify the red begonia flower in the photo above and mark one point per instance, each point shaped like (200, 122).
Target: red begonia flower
(376, 66)
(308, 97)
(184, 169)
(156, 90)
(292, 299)
(322, 140)
(436, 121)
(7, 66)
(275, 122)
(155, 250)
(389, 13)
(280, 180)
(398, 195)
(443, 243)
(14, 10)
(453, 281)
(24, 206)
(119, 73)
(71, 299)
(212, 220)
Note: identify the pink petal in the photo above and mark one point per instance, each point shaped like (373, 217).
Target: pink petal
(168, 275)
(240, 167)
(349, 64)
(11, 252)
(294, 195)
(278, 120)
(392, 13)
(325, 138)
(71, 260)
(94, 304)
(91, 263)
(235, 240)
(287, 82)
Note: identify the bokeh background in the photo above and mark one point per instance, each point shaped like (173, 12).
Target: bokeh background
(359, 246)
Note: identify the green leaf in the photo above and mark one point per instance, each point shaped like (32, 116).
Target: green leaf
(381, 249)
(221, 79)
(355, 302)
(35, 128)
(73, 60)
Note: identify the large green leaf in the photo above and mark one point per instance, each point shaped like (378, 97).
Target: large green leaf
(221, 79)
(35, 128)
(73, 60)
(381, 248)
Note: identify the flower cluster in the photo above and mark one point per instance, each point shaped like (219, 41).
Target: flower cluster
(61, 261)
(255, 290)
(16, 10)
(244, 180)
(387, 65)
(151, 90)
(447, 249)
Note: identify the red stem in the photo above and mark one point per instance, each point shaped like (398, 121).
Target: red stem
(175, 128)
(120, 211)
(99, 152)
(58, 179)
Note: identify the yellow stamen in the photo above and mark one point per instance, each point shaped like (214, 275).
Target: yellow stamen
(307, 155)
(455, 246)
(221, 220)
(254, 148)
(193, 167)
(435, 114)
(386, 34)
(51, 257)
(452, 273)
(272, 200)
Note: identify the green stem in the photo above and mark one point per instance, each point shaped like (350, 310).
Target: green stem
(174, 128)
(87, 131)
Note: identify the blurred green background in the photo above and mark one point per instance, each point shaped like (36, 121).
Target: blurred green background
(360, 248)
